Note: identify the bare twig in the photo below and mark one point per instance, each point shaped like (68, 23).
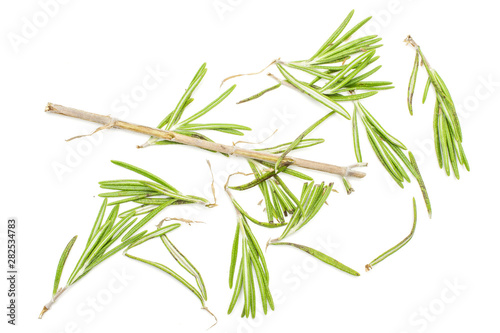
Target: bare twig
(191, 141)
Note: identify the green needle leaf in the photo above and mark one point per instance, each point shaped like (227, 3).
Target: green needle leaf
(237, 289)
(321, 256)
(413, 80)
(355, 135)
(98, 221)
(146, 219)
(259, 94)
(443, 135)
(60, 265)
(157, 233)
(426, 90)
(421, 184)
(234, 255)
(314, 94)
(334, 36)
(209, 107)
(171, 273)
(361, 61)
(145, 173)
(296, 142)
(437, 138)
(185, 263)
(397, 246)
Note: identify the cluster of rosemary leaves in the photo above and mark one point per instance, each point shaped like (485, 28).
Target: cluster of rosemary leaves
(447, 131)
(120, 230)
(339, 72)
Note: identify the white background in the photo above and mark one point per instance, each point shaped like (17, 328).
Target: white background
(90, 54)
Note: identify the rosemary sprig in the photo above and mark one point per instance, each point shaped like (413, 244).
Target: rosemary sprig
(333, 84)
(389, 150)
(332, 81)
(447, 130)
(252, 266)
(398, 246)
(147, 197)
(104, 234)
(279, 200)
(172, 121)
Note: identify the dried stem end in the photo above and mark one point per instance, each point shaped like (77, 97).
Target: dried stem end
(216, 321)
(45, 309)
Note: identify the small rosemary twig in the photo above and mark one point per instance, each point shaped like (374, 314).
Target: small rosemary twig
(171, 136)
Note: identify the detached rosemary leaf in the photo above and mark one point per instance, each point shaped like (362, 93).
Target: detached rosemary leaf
(321, 256)
(60, 265)
(259, 94)
(397, 246)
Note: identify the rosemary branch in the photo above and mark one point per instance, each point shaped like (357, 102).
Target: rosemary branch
(109, 122)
